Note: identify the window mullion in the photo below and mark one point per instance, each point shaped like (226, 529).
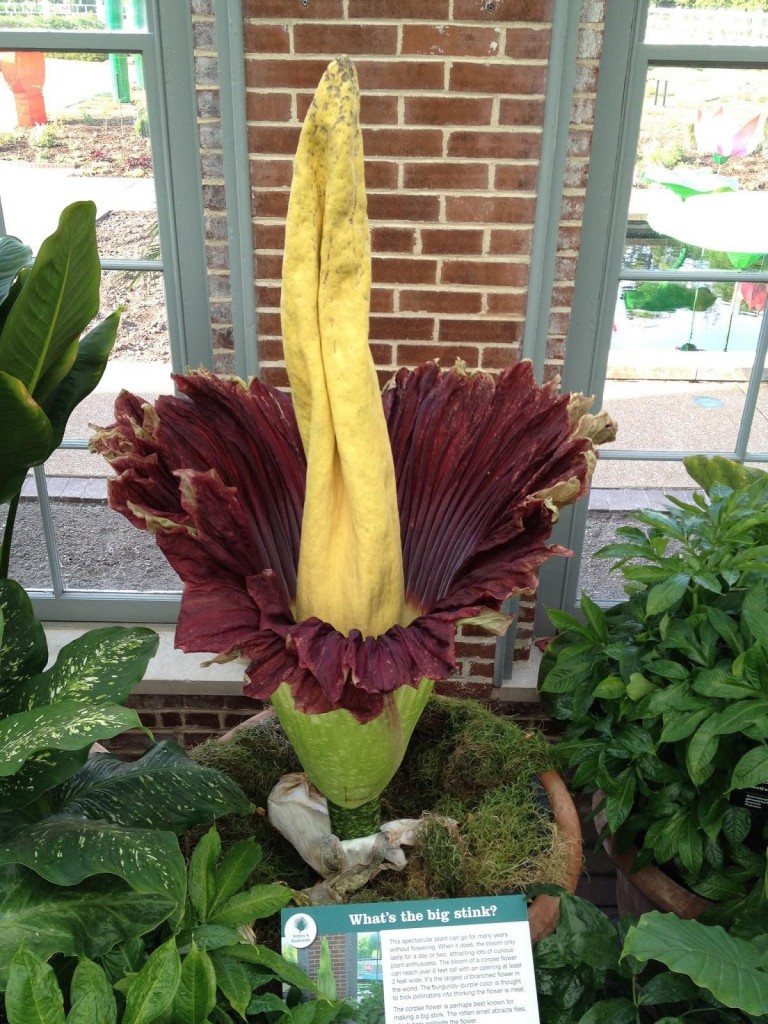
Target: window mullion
(49, 532)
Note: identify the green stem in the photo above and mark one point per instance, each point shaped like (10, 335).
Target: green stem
(5, 547)
(354, 822)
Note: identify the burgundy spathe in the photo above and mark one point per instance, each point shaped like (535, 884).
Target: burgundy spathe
(218, 477)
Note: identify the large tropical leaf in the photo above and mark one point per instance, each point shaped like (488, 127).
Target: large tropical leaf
(708, 471)
(33, 995)
(13, 255)
(42, 771)
(101, 665)
(93, 352)
(164, 789)
(23, 648)
(59, 298)
(26, 435)
(732, 969)
(68, 850)
(68, 725)
(84, 921)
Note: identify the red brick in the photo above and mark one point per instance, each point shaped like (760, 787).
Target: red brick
(268, 10)
(502, 10)
(484, 272)
(511, 241)
(441, 175)
(381, 174)
(403, 142)
(572, 208)
(506, 303)
(401, 328)
(268, 296)
(521, 111)
(275, 376)
(576, 174)
(451, 241)
(269, 324)
(516, 177)
(405, 10)
(269, 267)
(483, 669)
(200, 720)
(214, 197)
(477, 331)
(287, 73)
(562, 297)
(527, 43)
(569, 238)
(505, 145)
(500, 209)
(504, 79)
(404, 271)
(399, 76)
(270, 351)
(270, 172)
(169, 719)
(440, 301)
(382, 355)
(386, 239)
(464, 689)
(382, 300)
(451, 40)
(224, 339)
(317, 37)
(586, 77)
(266, 39)
(268, 204)
(384, 377)
(579, 141)
(267, 106)
(499, 357)
(273, 138)
(415, 355)
(403, 207)
(565, 269)
(447, 110)
(270, 236)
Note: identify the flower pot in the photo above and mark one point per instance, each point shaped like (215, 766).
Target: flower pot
(648, 888)
(543, 911)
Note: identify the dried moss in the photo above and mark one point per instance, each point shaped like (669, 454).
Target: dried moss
(464, 762)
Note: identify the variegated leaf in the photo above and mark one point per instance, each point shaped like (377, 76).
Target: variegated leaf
(23, 649)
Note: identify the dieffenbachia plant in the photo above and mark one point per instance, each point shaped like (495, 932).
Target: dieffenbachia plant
(337, 539)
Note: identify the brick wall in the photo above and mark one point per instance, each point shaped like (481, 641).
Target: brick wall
(452, 108)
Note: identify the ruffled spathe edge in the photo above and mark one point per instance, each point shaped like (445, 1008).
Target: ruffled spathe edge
(482, 465)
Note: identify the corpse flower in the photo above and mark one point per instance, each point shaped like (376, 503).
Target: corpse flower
(337, 538)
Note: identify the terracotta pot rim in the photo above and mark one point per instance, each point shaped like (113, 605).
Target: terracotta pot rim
(654, 883)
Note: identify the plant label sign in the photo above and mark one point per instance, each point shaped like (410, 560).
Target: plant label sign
(467, 961)
(755, 798)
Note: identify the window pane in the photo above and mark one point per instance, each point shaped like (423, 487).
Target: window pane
(758, 438)
(142, 337)
(79, 138)
(82, 16)
(635, 476)
(29, 561)
(704, 23)
(117, 556)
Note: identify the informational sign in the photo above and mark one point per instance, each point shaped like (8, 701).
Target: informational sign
(755, 799)
(468, 961)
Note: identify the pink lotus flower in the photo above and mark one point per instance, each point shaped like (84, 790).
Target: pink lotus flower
(724, 137)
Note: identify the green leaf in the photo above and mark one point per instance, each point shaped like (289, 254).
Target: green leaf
(232, 979)
(101, 665)
(154, 987)
(68, 725)
(196, 994)
(754, 613)
(13, 255)
(751, 770)
(690, 846)
(671, 670)
(610, 688)
(666, 594)
(619, 803)
(60, 297)
(278, 965)
(259, 902)
(727, 629)
(33, 995)
(639, 687)
(164, 789)
(736, 824)
(595, 616)
(610, 1011)
(708, 471)
(667, 988)
(726, 966)
(236, 867)
(67, 850)
(719, 682)
(202, 866)
(26, 436)
(91, 996)
(681, 725)
(23, 648)
(87, 920)
(269, 1003)
(206, 936)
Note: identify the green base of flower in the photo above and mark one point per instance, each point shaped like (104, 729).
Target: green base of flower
(354, 822)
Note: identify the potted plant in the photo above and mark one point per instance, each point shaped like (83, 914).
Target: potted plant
(664, 695)
(336, 538)
(591, 971)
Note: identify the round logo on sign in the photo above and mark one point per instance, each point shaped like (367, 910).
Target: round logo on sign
(300, 930)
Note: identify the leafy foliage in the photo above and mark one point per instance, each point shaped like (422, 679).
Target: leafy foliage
(665, 696)
(591, 972)
(204, 970)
